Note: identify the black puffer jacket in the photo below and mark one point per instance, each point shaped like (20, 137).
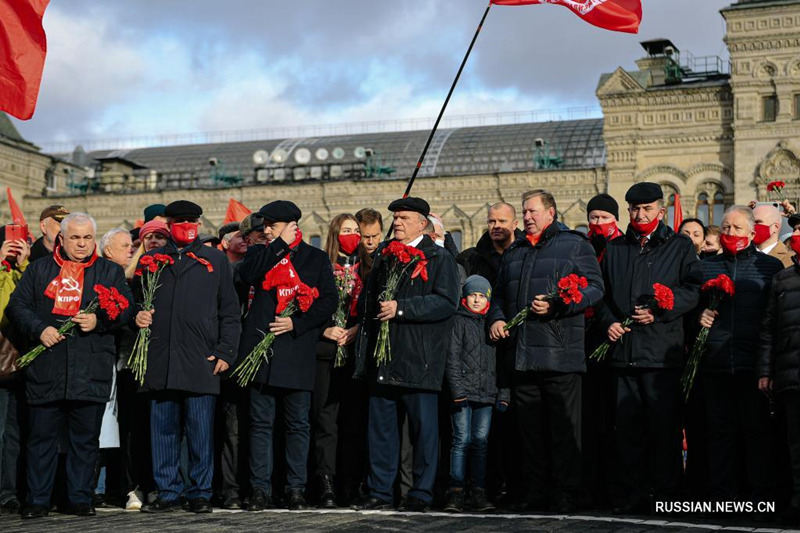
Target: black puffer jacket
(732, 344)
(81, 366)
(629, 271)
(780, 334)
(421, 329)
(471, 364)
(483, 259)
(554, 343)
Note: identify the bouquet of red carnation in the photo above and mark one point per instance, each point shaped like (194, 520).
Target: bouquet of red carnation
(777, 186)
(302, 299)
(109, 300)
(349, 286)
(150, 268)
(568, 289)
(399, 258)
(662, 298)
(718, 288)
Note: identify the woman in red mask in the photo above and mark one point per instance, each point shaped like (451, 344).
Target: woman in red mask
(333, 382)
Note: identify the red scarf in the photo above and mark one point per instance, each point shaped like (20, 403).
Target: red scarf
(284, 278)
(202, 261)
(482, 313)
(66, 289)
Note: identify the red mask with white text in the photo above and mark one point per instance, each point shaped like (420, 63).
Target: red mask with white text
(184, 233)
(644, 229)
(795, 244)
(762, 234)
(732, 244)
(349, 243)
(606, 230)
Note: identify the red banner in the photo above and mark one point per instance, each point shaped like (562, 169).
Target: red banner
(22, 54)
(236, 212)
(616, 15)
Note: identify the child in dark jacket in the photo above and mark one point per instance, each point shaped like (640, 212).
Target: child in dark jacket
(472, 375)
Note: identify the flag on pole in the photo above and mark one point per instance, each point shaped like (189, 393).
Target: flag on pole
(16, 213)
(677, 213)
(236, 212)
(22, 54)
(615, 15)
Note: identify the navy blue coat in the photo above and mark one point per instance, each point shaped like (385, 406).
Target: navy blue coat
(553, 343)
(81, 366)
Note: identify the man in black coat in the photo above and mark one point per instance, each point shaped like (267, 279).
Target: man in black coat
(646, 364)
(419, 319)
(483, 259)
(289, 374)
(195, 327)
(69, 384)
(547, 360)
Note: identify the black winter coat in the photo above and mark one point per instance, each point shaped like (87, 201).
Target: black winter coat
(326, 348)
(420, 331)
(780, 334)
(81, 366)
(733, 340)
(483, 259)
(293, 360)
(471, 363)
(553, 343)
(629, 272)
(196, 316)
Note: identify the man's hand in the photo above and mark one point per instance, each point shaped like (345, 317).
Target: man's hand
(615, 331)
(281, 325)
(289, 233)
(388, 310)
(707, 318)
(540, 306)
(349, 336)
(788, 208)
(334, 333)
(765, 385)
(221, 365)
(144, 318)
(50, 337)
(496, 332)
(87, 322)
(643, 316)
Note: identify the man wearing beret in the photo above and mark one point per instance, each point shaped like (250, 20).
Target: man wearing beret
(195, 328)
(289, 374)
(50, 225)
(420, 318)
(647, 357)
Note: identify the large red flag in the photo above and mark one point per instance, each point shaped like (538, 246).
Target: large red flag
(677, 214)
(616, 15)
(16, 213)
(236, 212)
(23, 46)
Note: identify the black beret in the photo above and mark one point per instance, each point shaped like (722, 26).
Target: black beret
(153, 211)
(206, 238)
(644, 193)
(281, 211)
(230, 227)
(417, 205)
(794, 220)
(603, 202)
(135, 233)
(183, 208)
(252, 222)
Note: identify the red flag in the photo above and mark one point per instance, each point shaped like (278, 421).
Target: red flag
(677, 213)
(22, 53)
(616, 15)
(236, 212)
(16, 213)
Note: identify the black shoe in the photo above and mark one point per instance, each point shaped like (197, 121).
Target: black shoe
(159, 506)
(12, 506)
(83, 509)
(231, 503)
(99, 500)
(479, 502)
(635, 508)
(563, 504)
(534, 505)
(415, 505)
(295, 501)
(35, 511)
(260, 501)
(372, 503)
(186, 504)
(327, 499)
(455, 501)
(200, 505)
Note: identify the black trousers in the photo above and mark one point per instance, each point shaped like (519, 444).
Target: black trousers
(232, 441)
(134, 434)
(81, 421)
(647, 435)
(549, 414)
(738, 425)
(328, 385)
(596, 443)
(353, 459)
(791, 403)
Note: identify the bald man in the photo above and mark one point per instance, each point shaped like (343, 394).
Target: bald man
(768, 227)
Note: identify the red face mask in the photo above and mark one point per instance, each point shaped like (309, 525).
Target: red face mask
(349, 243)
(732, 245)
(762, 234)
(644, 229)
(605, 230)
(795, 244)
(184, 233)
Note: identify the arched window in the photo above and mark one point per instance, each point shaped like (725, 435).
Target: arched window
(702, 208)
(710, 205)
(719, 208)
(670, 210)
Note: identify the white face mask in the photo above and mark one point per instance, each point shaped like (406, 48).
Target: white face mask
(439, 242)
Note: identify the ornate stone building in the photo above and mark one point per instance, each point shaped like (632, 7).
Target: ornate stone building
(711, 132)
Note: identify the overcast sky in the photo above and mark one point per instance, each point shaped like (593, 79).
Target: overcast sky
(149, 67)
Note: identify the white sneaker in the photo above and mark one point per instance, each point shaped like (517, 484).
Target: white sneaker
(134, 502)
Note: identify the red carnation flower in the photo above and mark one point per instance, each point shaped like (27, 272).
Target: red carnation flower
(776, 185)
(306, 296)
(111, 301)
(146, 260)
(664, 297)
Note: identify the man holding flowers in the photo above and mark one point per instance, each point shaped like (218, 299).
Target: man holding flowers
(195, 326)
(407, 307)
(69, 379)
(549, 276)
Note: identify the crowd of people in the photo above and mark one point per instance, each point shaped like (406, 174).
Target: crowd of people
(401, 373)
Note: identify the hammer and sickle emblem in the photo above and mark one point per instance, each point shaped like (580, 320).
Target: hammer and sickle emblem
(70, 285)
